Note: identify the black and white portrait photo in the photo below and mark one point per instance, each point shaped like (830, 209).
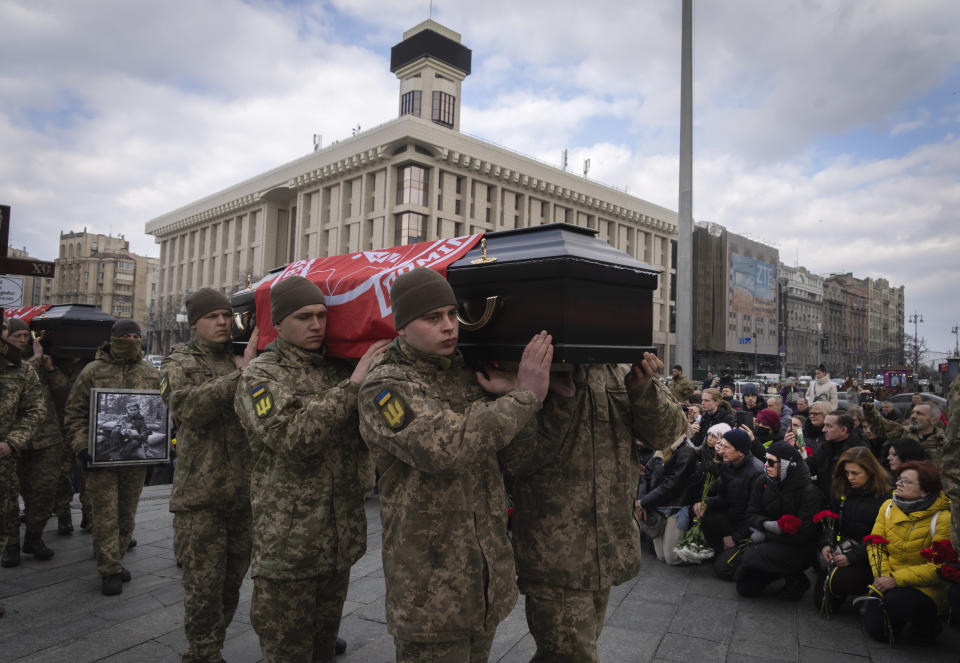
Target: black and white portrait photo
(128, 427)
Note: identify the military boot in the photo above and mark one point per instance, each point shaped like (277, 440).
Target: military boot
(64, 525)
(33, 545)
(341, 647)
(11, 556)
(111, 585)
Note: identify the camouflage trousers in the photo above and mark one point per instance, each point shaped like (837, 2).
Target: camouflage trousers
(36, 475)
(298, 620)
(476, 649)
(114, 496)
(565, 623)
(9, 509)
(64, 494)
(214, 549)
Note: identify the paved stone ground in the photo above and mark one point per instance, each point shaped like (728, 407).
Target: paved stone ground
(55, 612)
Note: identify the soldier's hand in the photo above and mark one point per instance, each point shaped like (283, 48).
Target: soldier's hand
(496, 381)
(249, 352)
(534, 370)
(363, 366)
(699, 509)
(641, 374)
(4, 449)
(47, 362)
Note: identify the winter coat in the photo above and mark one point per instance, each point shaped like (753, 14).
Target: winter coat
(783, 553)
(858, 513)
(734, 490)
(908, 534)
(721, 416)
(813, 437)
(198, 384)
(823, 389)
(933, 443)
(671, 482)
(823, 460)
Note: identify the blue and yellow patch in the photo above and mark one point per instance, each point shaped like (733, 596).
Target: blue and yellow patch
(392, 409)
(262, 400)
(164, 386)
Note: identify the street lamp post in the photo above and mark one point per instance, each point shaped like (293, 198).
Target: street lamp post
(915, 319)
(956, 333)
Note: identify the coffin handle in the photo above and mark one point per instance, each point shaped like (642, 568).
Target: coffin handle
(241, 320)
(488, 310)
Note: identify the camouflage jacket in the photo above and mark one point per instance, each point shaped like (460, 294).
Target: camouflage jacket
(56, 387)
(434, 434)
(106, 371)
(199, 383)
(573, 521)
(681, 387)
(22, 404)
(299, 410)
(893, 430)
(950, 458)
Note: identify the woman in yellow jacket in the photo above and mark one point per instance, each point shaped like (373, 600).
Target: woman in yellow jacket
(913, 593)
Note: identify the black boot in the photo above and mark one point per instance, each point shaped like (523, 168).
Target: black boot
(85, 523)
(111, 585)
(132, 544)
(33, 545)
(340, 647)
(795, 587)
(64, 525)
(11, 556)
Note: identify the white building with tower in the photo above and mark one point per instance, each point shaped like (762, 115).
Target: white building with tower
(414, 178)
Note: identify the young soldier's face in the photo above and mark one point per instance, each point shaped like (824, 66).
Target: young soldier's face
(21, 339)
(305, 328)
(214, 327)
(434, 333)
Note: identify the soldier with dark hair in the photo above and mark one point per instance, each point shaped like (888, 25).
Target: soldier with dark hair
(114, 492)
(434, 428)
(299, 410)
(211, 487)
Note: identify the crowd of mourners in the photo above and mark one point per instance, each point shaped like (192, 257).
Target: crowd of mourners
(779, 483)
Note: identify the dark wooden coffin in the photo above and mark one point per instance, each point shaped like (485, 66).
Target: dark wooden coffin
(72, 330)
(595, 300)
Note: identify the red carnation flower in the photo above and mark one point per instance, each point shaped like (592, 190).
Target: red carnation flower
(826, 513)
(944, 552)
(928, 554)
(509, 511)
(875, 539)
(789, 524)
(951, 573)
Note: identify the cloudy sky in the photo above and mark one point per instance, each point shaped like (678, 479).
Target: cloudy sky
(829, 129)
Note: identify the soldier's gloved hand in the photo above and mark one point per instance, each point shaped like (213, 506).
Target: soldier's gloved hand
(757, 536)
(771, 526)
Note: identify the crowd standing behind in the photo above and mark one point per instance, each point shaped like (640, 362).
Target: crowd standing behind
(276, 453)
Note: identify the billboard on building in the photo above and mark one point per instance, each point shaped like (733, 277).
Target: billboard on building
(752, 296)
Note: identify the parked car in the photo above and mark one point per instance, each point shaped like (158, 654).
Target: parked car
(904, 401)
(156, 360)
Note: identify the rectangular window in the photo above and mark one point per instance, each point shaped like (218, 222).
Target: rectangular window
(410, 103)
(443, 105)
(412, 185)
(409, 228)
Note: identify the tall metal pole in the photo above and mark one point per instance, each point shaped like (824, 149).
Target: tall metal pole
(956, 332)
(684, 266)
(916, 318)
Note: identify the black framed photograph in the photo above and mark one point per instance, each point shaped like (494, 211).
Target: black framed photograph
(128, 427)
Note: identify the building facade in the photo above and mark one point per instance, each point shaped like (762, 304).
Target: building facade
(415, 178)
(100, 270)
(802, 318)
(736, 310)
(885, 325)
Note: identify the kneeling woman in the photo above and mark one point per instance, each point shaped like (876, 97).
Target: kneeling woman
(780, 515)
(913, 593)
(860, 486)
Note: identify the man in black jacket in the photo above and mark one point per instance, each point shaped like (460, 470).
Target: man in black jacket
(838, 437)
(723, 516)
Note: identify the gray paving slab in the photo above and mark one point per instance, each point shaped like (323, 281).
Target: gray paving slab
(55, 612)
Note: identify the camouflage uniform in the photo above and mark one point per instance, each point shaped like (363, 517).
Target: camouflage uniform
(892, 430)
(434, 434)
(574, 532)
(38, 463)
(299, 410)
(951, 460)
(68, 371)
(113, 492)
(681, 387)
(211, 490)
(21, 414)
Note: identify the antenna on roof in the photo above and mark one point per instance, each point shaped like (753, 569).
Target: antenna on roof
(564, 159)
(586, 167)
(431, 9)
(317, 142)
